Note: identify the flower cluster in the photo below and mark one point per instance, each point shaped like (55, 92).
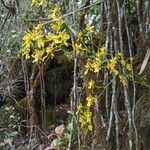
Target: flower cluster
(79, 44)
(95, 65)
(112, 66)
(39, 45)
(54, 13)
(85, 120)
(38, 2)
(85, 113)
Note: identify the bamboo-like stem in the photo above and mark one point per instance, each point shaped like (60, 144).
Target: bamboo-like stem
(133, 82)
(139, 20)
(115, 111)
(75, 85)
(127, 101)
(42, 90)
(110, 120)
(107, 7)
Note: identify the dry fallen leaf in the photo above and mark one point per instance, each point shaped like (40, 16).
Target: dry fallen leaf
(48, 148)
(60, 130)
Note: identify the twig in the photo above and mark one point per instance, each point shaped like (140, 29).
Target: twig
(65, 15)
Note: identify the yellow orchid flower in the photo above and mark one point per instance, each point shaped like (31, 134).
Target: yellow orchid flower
(89, 28)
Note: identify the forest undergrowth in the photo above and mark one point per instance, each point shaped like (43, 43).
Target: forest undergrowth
(75, 74)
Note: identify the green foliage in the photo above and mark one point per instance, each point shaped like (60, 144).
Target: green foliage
(10, 123)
